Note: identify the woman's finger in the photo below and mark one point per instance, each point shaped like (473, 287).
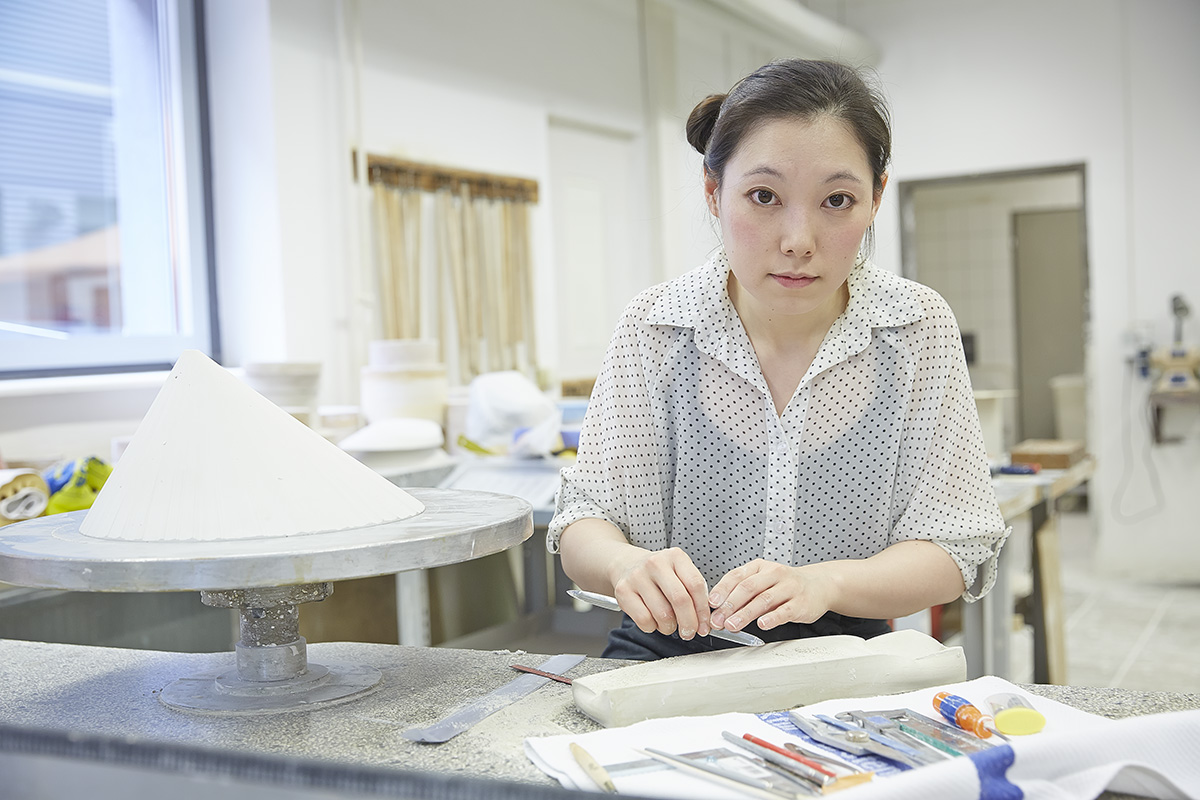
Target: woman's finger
(648, 609)
(684, 588)
(741, 586)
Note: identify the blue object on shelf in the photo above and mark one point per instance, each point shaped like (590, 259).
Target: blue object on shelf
(573, 409)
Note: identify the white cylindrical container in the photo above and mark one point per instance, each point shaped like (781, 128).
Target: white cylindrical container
(1070, 407)
(291, 385)
(403, 378)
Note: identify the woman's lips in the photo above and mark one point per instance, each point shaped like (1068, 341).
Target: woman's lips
(793, 281)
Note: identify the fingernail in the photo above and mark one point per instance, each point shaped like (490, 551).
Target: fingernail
(735, 622)
(718, 619)
(764, 623)
(704, 630)
(686, 635)
(715, 600)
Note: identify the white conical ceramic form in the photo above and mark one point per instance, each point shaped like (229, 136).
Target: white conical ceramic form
(213, 460)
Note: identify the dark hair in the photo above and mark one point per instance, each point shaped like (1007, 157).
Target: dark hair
(791, 88)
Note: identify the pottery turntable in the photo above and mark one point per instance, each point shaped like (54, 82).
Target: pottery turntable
(223, 492)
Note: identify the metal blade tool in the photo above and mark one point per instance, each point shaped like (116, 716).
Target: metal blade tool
(610, 603)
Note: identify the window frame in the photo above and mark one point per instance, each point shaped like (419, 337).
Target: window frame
(190, 106)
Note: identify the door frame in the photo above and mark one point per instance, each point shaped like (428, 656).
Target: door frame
(908, 239)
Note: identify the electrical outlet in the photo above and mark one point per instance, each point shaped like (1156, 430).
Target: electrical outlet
(1136, 341)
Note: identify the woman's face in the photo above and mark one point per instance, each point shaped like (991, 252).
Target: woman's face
(794, 203)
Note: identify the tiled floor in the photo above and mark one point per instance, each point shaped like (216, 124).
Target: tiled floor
(1125, 634)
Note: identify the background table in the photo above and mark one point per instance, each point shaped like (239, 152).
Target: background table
(987, 624)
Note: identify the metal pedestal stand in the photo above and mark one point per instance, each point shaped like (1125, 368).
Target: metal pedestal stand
(271, 672)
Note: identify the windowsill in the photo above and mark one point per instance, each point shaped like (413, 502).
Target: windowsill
(71, 384)
(76, 384)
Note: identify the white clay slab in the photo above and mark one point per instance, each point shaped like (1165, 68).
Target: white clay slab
(213, 460)
(774, 677)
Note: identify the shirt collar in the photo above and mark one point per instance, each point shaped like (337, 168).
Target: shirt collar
(878, 299)
(699, 300)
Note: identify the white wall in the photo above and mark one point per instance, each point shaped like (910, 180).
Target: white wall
(409, 79)
(250, 277)
(989, 87)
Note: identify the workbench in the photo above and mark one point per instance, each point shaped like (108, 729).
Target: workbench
(86, 721)
(987, 624)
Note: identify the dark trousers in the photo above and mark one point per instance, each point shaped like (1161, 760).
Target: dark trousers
(629, 642)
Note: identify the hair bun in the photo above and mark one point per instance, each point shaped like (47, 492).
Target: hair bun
(701, 121)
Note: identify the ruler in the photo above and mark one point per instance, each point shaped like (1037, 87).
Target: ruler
(450, 726)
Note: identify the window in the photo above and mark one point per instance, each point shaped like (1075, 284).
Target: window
(103, 221)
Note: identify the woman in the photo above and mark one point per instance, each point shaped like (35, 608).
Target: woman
(788, 424)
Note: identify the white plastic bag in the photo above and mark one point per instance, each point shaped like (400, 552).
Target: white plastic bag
(507, 413)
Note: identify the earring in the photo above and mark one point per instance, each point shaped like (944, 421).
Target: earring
(866, 246)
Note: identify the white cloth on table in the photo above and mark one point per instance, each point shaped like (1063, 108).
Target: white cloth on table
(1077, 755)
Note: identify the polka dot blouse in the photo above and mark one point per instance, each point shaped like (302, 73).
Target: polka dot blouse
(682, 446)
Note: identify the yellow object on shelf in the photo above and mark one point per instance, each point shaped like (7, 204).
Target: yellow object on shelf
(75, 484)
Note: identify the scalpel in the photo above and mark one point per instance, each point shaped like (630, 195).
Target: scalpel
(604, 601)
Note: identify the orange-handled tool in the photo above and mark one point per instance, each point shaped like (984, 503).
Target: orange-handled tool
(960, 711)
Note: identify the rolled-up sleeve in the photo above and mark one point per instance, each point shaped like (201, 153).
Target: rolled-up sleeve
(615, 477)
(944, 485)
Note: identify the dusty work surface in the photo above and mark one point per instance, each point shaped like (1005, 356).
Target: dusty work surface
(114, 692)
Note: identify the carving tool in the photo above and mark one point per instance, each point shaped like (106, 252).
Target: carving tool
(809, 770)
(593, 769)
(854, 740)
(891, 729)
(759, 787)
(610, 603)
(945, 737)
(832, 763)
(886, 741)
(811, 777)
(551, 675)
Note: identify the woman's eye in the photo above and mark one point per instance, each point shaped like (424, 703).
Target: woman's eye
(763, 197)
(839, 200)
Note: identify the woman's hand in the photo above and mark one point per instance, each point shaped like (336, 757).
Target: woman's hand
(772, 594)
(902, 579)
(662, 591)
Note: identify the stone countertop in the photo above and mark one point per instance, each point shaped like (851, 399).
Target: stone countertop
(114, 692)
(1116, 703)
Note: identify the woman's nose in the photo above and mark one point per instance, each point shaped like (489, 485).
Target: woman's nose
(797, 238)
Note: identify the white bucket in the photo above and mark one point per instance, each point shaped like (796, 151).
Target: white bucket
(990, 404)
(1070, 407)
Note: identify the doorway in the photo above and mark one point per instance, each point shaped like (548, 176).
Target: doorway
(1008, 253)
(599, 229)
(1050, 275)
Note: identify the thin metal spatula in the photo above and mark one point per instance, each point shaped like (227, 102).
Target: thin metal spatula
(604, 601)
